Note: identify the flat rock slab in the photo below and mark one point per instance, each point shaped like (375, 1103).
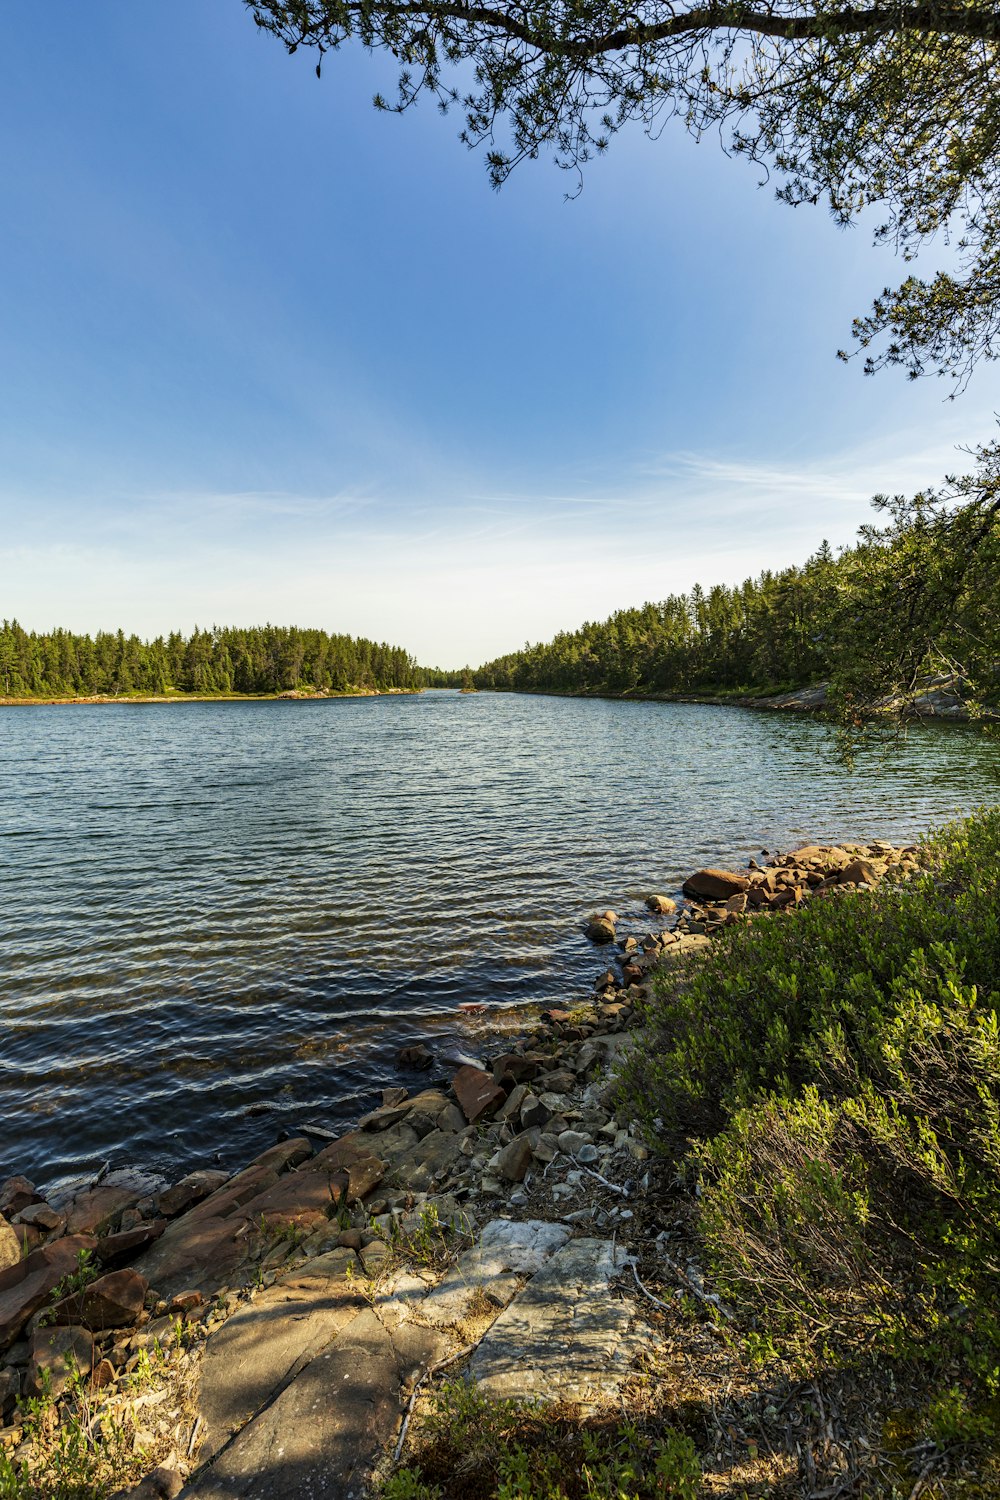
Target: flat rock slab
(260, 1349)
(564, 1337)
(506, 1250)
(317, 1440)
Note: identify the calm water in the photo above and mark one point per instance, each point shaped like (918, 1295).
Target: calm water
(218, 921)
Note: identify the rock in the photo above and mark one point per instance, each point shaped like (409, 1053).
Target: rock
(393, 1096)
(428, 1162)
(600, 929)
(516, 1066)
(606, 981)
(58, 1354)
(563, 1338)
(715, 884)
(93, 1211)
(161, 1484)
(514, 1160)
(506, 1251)
(571, 1141)
(513, 1103)
(114, 1249)
(661, 904)
(858, 872)
(738, 903)
(10, 1386)
(112, 1301)
(533, 1111)
(190, 1190)
(320, 1434)
(10, 1245)
(415, 1056)
(185, 1302)
(477, 1094)
(42, 1216)
(26, 1287)
(16, 1194)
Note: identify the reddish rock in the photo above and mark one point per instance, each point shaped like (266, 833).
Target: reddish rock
(285, 1155)
(43, 1217)
(191, 1189)
(185, 1302)
(414, 1056)
(26, 1287)
(515, 1158)
(114, 1249)
(92, 1212)
(195, 1250)
(112, 1301)
(232, 1195)
(606, 981)
(17, 1193)
(103, 1375)
(516, 1066)
(477, 1093)
(716, 885)
(859, 872)
(55, 1355)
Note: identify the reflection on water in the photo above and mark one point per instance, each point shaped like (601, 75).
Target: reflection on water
(223, 919)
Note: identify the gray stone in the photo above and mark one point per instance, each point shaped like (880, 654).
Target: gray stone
(263, 1346)
(318, 1438)
(563, 1338)
(505, 1252)
(571, 1141)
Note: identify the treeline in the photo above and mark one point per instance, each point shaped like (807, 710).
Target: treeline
(769, 630)
(917, 596)
(266, 659)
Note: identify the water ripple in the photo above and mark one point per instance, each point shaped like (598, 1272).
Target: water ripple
(223, 920)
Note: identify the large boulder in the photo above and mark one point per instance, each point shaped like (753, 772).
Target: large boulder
(477, 1093)
(112, 1301)
(715, 885)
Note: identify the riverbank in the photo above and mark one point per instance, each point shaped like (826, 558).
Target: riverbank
(936, 698)
(290, 695)
(513, 1221)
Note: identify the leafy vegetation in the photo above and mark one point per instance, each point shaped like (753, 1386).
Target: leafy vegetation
(833, 1077)
(883, 105)
(267, 659)
(475, 1448)
(916, 597)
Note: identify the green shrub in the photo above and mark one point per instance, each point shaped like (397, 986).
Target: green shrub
(842, 1067)
(473, 1448)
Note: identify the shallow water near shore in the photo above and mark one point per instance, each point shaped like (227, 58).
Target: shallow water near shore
(220, 921)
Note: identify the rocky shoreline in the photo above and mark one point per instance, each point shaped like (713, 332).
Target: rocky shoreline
(492, 1222)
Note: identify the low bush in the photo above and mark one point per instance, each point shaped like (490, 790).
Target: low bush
(474, 1448)
(836, 1073)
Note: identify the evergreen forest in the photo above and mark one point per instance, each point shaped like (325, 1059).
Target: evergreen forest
(261, 660)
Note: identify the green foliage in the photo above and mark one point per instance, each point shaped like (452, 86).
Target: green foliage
(472, 1448)
(74, 1281)
(892, 106)
(77, 1454)
(842, 1065)
(914, 600)
(269, 659)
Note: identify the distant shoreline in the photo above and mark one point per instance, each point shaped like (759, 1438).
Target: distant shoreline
(293, 696)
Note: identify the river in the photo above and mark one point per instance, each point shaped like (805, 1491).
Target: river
(221, 921)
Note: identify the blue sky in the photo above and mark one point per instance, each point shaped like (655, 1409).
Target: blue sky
(267, 354)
